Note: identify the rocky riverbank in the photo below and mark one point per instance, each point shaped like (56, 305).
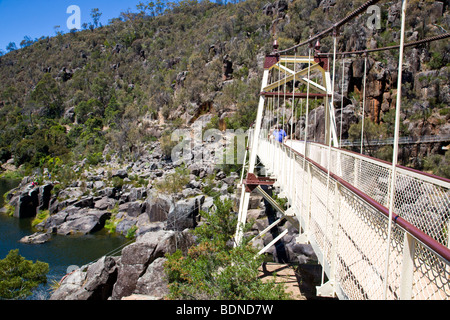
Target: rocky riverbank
(134, 199)
(138, 271)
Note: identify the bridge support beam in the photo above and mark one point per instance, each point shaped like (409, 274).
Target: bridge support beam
(245, 195)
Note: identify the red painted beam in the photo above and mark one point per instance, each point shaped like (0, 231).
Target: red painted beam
(295, 94)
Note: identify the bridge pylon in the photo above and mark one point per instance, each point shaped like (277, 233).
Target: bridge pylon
(280, 73)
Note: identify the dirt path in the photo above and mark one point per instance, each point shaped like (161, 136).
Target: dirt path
(300, 281)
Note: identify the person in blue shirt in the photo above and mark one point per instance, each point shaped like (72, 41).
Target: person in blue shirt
(279, 134)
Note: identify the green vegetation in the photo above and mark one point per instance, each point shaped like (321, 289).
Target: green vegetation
(18, 277)
(112, 222)
(68, 96)
(96, 89)
(175, 181)
(438, 164)
(214, 269)
(41, 216)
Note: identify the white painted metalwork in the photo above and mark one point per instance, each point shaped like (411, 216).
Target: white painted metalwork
(350, 233)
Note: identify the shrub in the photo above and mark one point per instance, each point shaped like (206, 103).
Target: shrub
(215, 270)
(94, 158)
(131, 233)
(175, 181)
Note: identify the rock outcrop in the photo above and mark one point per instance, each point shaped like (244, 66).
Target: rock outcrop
(91, 282)
(139, 270)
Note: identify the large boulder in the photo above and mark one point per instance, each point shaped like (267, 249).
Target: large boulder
(93, 282)
(158, 206)
(135, 208)
(36, 238)
(83, 222)
(185, 213)
(104, 203)
(138, 256)
(154, 282)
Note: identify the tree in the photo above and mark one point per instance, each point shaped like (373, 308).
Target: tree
(438, 164)
(58, 31)
(96, 14)
(100, 87)
(47, 94)
(11, 46)
(18, 277)
(26, 42)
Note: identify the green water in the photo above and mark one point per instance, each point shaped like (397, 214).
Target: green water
(60, 252)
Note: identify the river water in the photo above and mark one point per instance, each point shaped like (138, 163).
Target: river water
(61, 252)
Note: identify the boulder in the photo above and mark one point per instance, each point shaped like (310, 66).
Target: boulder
(36, 238)
(135, 208)
(70, 114)
(105, 203)
(121, 173)
(107, 192)
(158, 206)
(137, 194)
(124, 225)
(207, 204)
(84, 222)
(93, 282)
(52, 222)
(137, 257)
(85, 202)
(185, 213)
(154, 282)
(70, 193)
(27, 204)
(83, 225)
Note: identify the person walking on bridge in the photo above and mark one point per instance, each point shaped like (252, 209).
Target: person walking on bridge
(279, 134)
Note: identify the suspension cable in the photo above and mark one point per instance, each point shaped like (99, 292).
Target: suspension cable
(350, 17)
(410, 44)
(395, 151)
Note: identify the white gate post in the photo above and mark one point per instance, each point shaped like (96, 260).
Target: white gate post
(407, 275)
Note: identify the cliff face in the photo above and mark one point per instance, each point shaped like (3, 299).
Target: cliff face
(425, 85)
(135, 80)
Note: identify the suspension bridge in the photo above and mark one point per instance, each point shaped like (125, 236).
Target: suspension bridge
(379, 230)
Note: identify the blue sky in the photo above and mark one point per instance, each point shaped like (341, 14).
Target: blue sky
(20, 18)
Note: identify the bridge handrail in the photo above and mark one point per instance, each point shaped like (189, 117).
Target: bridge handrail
(416, 191)
(402, 140)
(347, 229)
(444, 182)
(427, 240)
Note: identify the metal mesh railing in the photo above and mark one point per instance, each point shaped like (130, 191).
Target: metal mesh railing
(420, 199)
(342, 213)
